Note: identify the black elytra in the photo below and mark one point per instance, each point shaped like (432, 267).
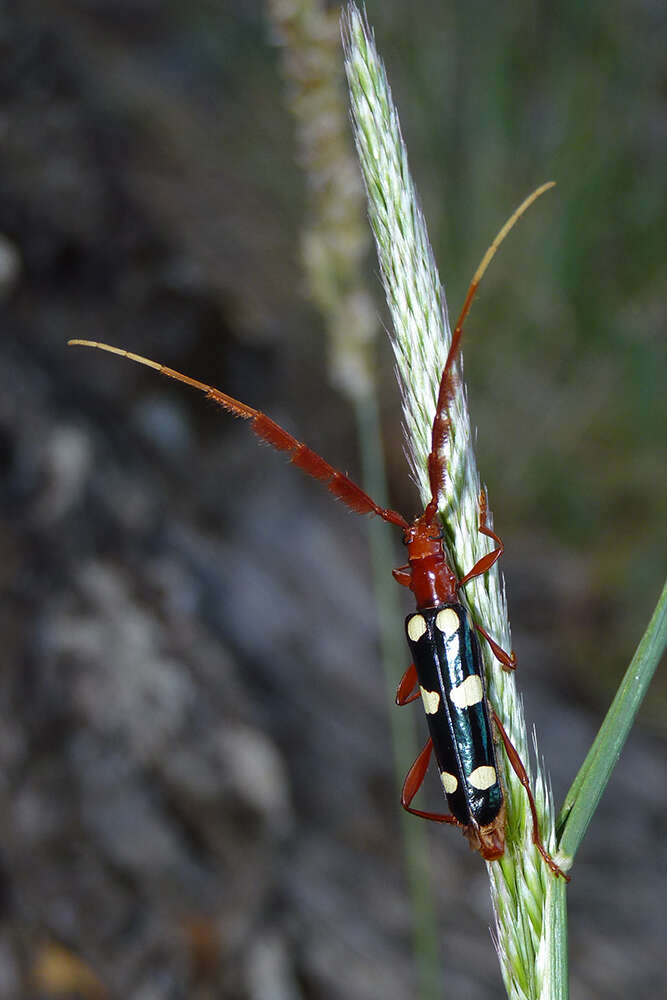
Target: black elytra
(450, 673)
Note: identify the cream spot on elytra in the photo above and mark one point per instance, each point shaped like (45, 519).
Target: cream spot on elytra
(449, 781)
(448, 622)
(416, 627)
(483, 777)
(431, 700)
(469, 692)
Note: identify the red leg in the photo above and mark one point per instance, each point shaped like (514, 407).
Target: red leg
(406, 693)
(402, 575)
(508, 660)
(413, 783)
(520, 771)
(484, 564)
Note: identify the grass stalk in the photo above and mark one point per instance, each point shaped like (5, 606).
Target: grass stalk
(520, 884)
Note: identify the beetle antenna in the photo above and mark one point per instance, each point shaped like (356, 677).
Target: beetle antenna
(449, 378)
(268, 430)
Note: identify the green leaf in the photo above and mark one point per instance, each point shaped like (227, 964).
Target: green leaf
(587, 788)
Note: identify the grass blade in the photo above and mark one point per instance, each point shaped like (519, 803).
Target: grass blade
(591, 781)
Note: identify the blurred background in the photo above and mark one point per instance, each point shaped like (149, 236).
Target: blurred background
(197, 795)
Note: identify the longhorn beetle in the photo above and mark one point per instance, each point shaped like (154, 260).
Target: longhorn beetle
(447, 667)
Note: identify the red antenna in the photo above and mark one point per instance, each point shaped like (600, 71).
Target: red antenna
(309, 461)
(449, 381)
(300, 454)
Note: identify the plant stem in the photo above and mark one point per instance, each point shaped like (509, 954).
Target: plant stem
(421, 336)
(556, 986)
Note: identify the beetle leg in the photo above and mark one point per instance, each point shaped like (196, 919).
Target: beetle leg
(406, 693)
(508, 660)
(402, 575)
(412, 784)
(484, 564)
(520, 771)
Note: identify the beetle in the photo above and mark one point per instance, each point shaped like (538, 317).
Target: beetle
(447, 668)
